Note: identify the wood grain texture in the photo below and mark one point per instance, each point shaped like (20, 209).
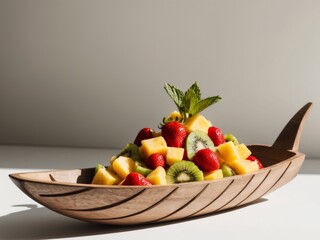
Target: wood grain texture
(70, 193)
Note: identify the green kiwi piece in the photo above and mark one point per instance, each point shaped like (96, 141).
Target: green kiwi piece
(132, 150)
(183, 171)
(226, 170)
(196, 141)
(97, 168)
(229, 137)
(142, 170)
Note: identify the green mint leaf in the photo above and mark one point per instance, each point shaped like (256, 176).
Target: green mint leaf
(203, 104)
(190, 100)
(176, 95)
(195, 88)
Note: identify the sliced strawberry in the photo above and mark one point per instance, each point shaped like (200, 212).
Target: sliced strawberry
(206, 160)
(135, 178)
(144, 133)
(216, 135)
(155, 160)
(175, 134)
(254, 159)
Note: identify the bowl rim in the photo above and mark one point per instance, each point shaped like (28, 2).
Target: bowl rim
(25, 176)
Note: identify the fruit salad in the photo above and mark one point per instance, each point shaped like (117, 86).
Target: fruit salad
(186, 148)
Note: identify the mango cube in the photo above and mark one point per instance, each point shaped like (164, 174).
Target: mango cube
(197, 122)
(157, 176)
(174, 154)
(243, 151)
(123, 166)
(243, 166)
(216, 174)
(228, 151)
(105, 177)
(153, 145)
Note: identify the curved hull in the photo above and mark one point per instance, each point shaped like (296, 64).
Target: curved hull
(69, 192)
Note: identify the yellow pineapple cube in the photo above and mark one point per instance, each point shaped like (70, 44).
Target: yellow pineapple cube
(243, 166)
(105, 177)
(197, 122)
(216, 174)
(243, 151)
(157, 176)
(174, 116)
(228, 151)
(220, 158)
(156, 134)
(153, 145)
(110, 168)
(174, 154)
(123, 166)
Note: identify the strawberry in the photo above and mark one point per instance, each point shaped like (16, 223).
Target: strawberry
(254, 159)
(185, 155)
(144, 133)
(135, 178)
(206, 160)
(174, 133)
(155, 160)
(216, 135)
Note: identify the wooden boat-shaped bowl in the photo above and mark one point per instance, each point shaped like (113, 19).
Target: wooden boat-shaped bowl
(70, 193)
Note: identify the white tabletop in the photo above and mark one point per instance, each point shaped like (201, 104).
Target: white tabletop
(291, 212)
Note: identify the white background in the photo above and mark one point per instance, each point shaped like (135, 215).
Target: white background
(91, 73)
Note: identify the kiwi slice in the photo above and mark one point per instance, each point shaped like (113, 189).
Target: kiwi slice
(97, 168)
(142, 170)
(226, 170)
(132, 151)
(229, 137)
(196, 141)
(183, 171)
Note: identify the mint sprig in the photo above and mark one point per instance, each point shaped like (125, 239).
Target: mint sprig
(190, 102)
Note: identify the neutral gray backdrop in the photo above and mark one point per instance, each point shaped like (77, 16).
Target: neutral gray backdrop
(91, 73)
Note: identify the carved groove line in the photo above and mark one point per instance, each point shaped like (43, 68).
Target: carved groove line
(185, 205)
(212, 200)
(139, 212)
(45, 195)
(254, 189)
(247, 184)
(109, 205)
(277, 180)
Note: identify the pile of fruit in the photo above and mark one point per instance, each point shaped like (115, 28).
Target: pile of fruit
(187, 148)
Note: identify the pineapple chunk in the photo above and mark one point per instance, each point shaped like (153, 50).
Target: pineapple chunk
(197, 122)
(216, 174)
(105, 177)
(158, 176)
(228, 151)
(174, 116)
(156, 134)
(243, 166)
(110, 168)
(174, 154)
(220, 158)
(243, 151)
(153, 145)
(123, 166)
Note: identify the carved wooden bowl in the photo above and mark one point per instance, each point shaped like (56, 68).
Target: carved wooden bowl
(70, 193)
